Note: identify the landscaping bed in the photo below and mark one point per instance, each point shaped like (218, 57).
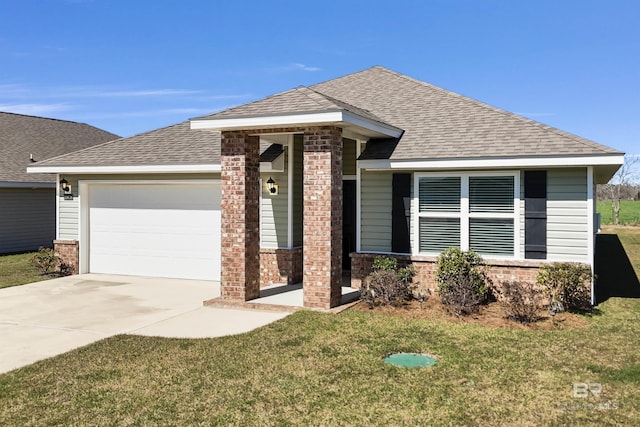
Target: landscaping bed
(491, 315)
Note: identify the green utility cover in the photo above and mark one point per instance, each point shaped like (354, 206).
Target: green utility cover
(410, 360)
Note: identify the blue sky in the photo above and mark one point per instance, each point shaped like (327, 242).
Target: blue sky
(131, 66)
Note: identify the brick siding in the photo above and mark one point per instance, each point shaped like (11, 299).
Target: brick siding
(68, 252)
(322, 183)
(280, 266)
(240, 265)
(497, 271)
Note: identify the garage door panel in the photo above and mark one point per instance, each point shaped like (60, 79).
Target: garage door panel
(155, 230)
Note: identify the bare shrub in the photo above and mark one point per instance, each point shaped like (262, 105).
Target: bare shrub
(567, 284)
(461, 295)
(388, 284)
(46, 261)
(521, 300)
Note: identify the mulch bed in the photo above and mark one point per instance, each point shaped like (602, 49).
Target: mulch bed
(492, 315)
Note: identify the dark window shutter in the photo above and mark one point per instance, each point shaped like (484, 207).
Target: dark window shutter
(535, 214)
(400, 242)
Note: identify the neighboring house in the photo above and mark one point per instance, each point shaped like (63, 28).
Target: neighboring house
(27, 201)
(371, 163)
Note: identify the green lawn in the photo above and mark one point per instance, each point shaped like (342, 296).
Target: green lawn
(629, 212)
(323, 369)
(18, 270)
(630, 238)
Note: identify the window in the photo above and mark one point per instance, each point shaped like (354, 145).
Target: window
(468, 211)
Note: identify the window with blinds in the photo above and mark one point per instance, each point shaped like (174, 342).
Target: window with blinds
(467, 211)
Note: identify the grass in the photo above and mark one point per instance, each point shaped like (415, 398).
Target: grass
(321, 369)
(18, 270)
(630, 238)
(629, 212)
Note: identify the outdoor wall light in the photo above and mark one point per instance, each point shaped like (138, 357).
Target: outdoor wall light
(66, 189)
(272, 186)
(64, 185)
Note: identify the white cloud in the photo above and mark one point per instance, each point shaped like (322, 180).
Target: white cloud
(292, 67)
(306, 68)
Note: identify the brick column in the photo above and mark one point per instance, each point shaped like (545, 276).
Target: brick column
(322, 242)
(68, 251)
(240, 266)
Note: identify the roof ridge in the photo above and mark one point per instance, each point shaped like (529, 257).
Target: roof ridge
(308, 89)
(346, 75)
(113, 141)
(355, 108)
(574, 137)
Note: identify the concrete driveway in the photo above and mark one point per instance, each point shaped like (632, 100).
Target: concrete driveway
(44, 319)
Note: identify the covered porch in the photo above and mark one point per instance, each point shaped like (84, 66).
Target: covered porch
(314, 166)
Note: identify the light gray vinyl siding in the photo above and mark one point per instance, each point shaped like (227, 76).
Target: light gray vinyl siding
(348, 156)
(375, 216)
(69, 210)
(274, 210)
(27, 219)
(298, 216)
(567, 215)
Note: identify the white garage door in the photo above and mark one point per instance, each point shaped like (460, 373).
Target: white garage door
(160, 230)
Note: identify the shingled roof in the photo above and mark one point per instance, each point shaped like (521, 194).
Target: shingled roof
(172, 145)
(24, 137)
(437, 124)
(177, 144)
(299, 100)
(441, 124)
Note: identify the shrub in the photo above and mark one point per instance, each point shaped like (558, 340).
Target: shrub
(385, 263)
(567, 283)
(521, 300)
(66, 269)
(387, 284)
(462, 283)
(46, 260)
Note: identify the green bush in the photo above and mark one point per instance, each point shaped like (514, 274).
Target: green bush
(387, 284)
(461, 280)
(521, 300)
(567, 283)
(46, 260)
(385, 263)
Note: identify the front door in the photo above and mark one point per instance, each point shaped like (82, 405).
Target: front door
(348, 222)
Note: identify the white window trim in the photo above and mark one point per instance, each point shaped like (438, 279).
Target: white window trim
(464, 215)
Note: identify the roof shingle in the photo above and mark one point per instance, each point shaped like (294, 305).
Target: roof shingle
(437, 124)
(440, 124)
(22, 136)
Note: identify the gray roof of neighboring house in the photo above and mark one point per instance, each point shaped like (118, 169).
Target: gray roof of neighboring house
(22, 136)
(437, 124)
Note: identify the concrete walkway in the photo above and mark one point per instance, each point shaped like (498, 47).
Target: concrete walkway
(44, 319)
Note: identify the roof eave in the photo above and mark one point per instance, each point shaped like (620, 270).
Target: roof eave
(605, 165)
(25, 184)
(341, 118)
(125, 169)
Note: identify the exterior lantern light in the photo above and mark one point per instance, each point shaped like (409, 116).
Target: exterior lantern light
(272, 186)
(66, 189)
(64, 185)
